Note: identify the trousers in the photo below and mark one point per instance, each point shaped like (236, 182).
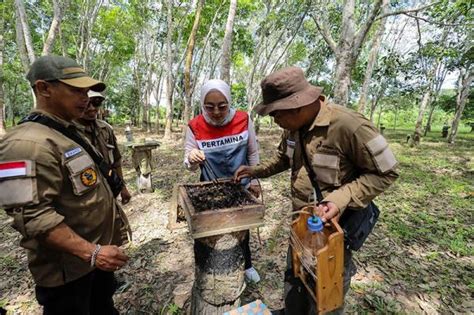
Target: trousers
(88, 295)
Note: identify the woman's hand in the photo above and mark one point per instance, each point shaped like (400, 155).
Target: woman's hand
(196, 156)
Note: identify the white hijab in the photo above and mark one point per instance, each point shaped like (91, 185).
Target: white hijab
(221, 86)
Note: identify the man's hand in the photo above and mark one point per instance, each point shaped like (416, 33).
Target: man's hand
(110, 258)
(255, 190)
(242, 172)
(327, 210)
(196, 156)
(125, 194)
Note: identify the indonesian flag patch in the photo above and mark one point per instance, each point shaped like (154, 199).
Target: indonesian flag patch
(14, 169)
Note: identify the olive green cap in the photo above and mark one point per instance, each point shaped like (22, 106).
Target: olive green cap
(66, 70)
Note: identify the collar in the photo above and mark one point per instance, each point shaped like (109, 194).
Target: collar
(67, 124)
(324, 116)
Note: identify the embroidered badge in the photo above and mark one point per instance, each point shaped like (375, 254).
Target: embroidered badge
(72, 152)
(12, 169)
(89, 177)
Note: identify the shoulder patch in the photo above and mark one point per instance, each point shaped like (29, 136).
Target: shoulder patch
(12, 169)
(89, 177)
(72, 152)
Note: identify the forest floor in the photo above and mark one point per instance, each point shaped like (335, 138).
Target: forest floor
(418, 260)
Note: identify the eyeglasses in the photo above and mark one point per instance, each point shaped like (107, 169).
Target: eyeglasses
(220, 107)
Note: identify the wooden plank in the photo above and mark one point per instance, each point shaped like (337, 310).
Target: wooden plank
(328, 291)
(173, 209)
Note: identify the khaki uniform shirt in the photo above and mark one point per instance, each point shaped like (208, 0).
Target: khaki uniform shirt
(102, 137)
(352, 161)
(51, 179)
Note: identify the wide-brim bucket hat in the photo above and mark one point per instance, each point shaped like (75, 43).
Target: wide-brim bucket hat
(286, 89)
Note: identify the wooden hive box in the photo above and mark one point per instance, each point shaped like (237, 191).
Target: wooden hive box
(326, 284)
(209, 222)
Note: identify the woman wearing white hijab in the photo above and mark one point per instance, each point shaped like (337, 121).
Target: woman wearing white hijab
(225, 139)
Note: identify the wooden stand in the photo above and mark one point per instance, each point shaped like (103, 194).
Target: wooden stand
(142, 162)
(326, 288)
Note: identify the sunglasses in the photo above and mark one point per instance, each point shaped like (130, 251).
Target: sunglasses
(95, 102)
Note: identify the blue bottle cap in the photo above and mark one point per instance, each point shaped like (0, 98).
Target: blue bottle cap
(315, 224)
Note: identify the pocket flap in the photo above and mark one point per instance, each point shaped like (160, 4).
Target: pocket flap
(326, 160)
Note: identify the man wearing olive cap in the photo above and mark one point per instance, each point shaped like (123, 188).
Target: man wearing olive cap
(59, 200)
(349, 159)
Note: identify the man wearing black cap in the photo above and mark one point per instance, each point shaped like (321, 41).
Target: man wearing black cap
(349, 161)
(58, 198)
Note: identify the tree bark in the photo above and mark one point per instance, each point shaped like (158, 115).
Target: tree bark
(465, 79)
(169, 75)
(25, 30)
(53, 29)
(227, 44)
(419, 121)
(187, 67)
(439, 79)
(219, 274)
(374, 51)
(20, 41)
(2, 94)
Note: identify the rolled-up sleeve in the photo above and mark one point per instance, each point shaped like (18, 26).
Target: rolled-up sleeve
(37, 218)
(190, 143)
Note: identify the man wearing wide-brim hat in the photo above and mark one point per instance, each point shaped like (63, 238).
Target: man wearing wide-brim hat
(350, 162)
(58, 198)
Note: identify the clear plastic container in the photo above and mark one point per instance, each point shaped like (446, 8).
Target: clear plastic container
(314, 240)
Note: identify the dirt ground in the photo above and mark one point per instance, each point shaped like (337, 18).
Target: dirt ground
(159, 275)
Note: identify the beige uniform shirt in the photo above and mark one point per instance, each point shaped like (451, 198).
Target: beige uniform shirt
(46, 179)
(352, 161)
(102, 137)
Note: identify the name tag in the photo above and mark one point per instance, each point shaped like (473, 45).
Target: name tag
(72, 152)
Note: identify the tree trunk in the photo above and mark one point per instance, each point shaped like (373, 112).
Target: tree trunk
(158, 91)
(2, 94)
(375, 101)
(53, 29)
(374, 51)
(25, 29)
(430, 118)
(187, 68)
(169, 75)
(20, 41)
(419, 121)
(342, 80)
(219, 274)
(227, 44)
(465, 80)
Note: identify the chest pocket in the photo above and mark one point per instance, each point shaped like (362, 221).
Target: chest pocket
(326, 167)
(83, 174)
